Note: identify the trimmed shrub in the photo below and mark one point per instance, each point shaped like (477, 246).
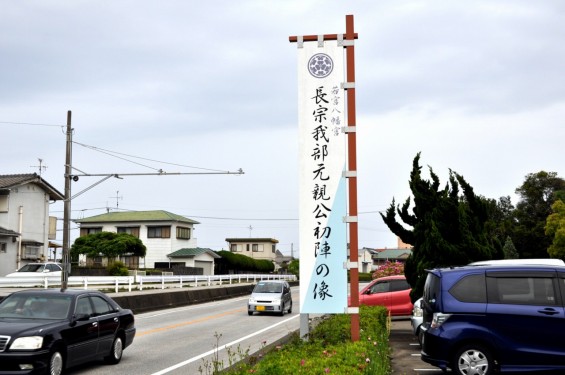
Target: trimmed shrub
(118, 269)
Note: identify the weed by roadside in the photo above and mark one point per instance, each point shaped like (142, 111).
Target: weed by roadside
(329, 349)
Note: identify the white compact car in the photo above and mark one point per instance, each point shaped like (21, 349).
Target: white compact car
(270, 296)
(50, 269)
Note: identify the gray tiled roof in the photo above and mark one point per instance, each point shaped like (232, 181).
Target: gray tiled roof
(191, 252)
(10, 181)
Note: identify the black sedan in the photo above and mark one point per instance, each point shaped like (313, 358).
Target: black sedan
(49, 330)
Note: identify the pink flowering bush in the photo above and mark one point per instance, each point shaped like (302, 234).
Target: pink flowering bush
(389, 269)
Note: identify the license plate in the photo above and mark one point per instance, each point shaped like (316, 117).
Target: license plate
(260, 308)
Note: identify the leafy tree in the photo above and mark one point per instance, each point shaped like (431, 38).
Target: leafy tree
(501, 218)
(448, 225)
(555, 228)
(294, 267)
(538, 192)
(107, 244)
(509, 249)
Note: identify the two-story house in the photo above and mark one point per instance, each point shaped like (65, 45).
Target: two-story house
(256, 248)
(162, 233)
(25, 224)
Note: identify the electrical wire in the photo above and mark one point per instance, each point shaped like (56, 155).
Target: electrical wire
(114, 153)
(27, 123)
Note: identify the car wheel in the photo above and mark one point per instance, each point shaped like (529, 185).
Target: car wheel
(473, 360)
(290, 308)
(282, 309)
(56, 362)
(249, 312)
(116, 351)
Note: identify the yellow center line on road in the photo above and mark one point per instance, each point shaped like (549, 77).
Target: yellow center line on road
(183, 324)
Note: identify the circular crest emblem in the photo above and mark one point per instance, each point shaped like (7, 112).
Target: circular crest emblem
(320, 65)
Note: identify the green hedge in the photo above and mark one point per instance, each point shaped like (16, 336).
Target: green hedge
(329, 349)
(238, 262)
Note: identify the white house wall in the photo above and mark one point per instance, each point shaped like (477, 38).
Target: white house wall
(34, 203)
(157, 248)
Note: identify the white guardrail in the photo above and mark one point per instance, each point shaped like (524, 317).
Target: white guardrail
(138, 281)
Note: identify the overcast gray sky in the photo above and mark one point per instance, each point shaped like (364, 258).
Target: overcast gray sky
(476, 86)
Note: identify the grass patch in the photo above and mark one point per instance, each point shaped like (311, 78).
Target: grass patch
(329, 349)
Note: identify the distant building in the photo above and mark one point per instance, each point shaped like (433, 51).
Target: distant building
(402, 245)
(282, 260)
(25, 224)
(393, 255)
(366, 262)
(196, 258)
(256, 248)
(162, 232)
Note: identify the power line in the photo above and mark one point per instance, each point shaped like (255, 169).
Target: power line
(114, 153)
(28, 123)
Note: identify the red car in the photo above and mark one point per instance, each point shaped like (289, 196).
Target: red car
(390, 291)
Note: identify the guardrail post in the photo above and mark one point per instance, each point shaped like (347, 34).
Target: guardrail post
(85, 283)
(180, 286)
(45, 283)
(140, 283)
(209, 281)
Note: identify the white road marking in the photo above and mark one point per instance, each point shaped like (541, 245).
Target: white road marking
(188, 361)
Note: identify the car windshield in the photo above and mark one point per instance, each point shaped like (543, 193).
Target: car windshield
(32, 268)
(32, 306)
(268, 288)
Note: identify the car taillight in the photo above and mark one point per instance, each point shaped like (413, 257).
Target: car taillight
(439, 319)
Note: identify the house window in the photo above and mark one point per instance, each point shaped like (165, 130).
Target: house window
(130, 261)
(31, 252)
(4, 202)
(159, 232)
(273, 248)
(134, 231)
(86, 231)
(255, 247)
(247, 246)
(97, 261)
(183, 233)
(3, 247)
(233, 247)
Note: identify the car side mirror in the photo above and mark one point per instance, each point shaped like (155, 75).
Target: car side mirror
(81, 317)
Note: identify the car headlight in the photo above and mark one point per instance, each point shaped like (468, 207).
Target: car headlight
(251, 300)
(277, 301)
(27, 343)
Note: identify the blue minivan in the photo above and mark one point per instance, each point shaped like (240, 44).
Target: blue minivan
(479, 319)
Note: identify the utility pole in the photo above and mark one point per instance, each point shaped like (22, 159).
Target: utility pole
(67, 206)
(70, 177)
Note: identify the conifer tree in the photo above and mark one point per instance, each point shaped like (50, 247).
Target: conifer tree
(446, 226)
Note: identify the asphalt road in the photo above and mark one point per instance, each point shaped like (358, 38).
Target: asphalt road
(189, 339)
